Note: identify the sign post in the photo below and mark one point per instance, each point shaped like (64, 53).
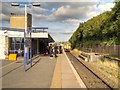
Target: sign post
(30, 50)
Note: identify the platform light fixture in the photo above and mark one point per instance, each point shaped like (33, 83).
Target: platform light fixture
(36, 4)
(15, 4)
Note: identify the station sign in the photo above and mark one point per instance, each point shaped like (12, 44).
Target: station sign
(28, 42)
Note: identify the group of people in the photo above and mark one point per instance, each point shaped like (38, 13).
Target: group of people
(53, 50)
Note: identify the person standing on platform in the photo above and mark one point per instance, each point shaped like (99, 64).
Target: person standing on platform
(19, 52)
(55, 50)
(51, 50)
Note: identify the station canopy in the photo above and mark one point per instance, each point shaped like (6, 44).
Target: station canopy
(36, 32)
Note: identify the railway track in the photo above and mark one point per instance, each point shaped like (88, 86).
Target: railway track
(91, 79)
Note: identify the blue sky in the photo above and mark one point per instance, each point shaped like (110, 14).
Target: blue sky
(62, 18)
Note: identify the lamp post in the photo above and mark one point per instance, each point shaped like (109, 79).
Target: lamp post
(26, 33)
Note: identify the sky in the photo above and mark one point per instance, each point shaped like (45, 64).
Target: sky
(61, 17)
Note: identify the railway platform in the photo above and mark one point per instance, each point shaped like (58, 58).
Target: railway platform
(65, 76)
(38, 76)
(46, 73)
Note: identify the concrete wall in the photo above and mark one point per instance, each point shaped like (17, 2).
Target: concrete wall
(3, 45)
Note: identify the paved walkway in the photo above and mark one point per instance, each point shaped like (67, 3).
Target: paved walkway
(39, 76)
(65, 76)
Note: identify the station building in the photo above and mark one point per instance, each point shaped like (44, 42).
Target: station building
(12, 39)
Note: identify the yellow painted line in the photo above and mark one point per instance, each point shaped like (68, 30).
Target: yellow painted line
(7, 65)
(56, 80)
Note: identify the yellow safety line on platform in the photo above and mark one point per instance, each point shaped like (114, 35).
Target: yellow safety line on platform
(56, 80)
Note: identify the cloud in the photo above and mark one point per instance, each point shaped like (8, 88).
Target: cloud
(102, 7)
(53, 9)
(106, 7)
(36, 10)
(4, 17)
(73, 21)
(69, 11)
(7, 9)
(40, 16)
(92, 14)
(76, 24)
(18, 10)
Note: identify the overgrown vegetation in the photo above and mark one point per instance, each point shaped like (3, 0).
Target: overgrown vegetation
(103, 29)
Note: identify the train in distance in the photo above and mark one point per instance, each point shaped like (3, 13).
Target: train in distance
(67, 47)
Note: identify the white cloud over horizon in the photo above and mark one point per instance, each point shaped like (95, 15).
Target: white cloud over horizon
(73, 21)
(106, 7)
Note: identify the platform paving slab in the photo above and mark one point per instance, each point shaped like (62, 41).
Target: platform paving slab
(69, 79)
(64, 76)
(39, 76)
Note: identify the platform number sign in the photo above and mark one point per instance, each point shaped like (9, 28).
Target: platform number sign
(28, 42)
